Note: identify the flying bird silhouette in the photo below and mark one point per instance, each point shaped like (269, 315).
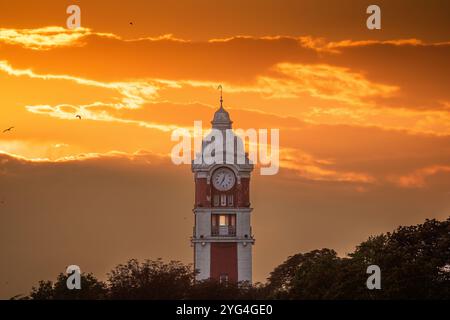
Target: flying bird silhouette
(78, 116)
(7, 130)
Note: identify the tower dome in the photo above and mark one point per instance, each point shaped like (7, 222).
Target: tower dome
(221, 118)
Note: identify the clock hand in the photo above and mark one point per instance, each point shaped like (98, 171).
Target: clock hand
(223, 178)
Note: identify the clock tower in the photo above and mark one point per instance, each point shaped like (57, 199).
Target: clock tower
(222, 236)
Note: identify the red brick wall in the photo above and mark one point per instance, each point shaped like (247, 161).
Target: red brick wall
(202, 193)
(243, 194)
(204, 196)
(224, 260)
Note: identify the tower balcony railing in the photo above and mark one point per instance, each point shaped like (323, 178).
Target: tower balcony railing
(223, 231)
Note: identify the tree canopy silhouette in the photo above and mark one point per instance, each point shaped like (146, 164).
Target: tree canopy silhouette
(151, 280)
(414, 263)
(92, 289)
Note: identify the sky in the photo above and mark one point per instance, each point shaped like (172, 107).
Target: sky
(364, 120)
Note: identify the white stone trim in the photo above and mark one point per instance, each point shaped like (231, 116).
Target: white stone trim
(244, 262)
(202, 224)
(214, 210)
(203, 260)
(223, 239)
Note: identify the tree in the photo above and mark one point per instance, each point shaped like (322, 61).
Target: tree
(150, 280)
(214, 290)
(305, 276)
(414, 261)
(279, 283)
(91, 289)
(44, 291)
(316, 275)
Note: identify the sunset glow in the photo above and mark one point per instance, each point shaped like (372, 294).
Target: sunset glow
(364, 120)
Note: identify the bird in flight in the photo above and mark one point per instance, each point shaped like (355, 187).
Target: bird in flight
(78, 116)
(131, 23)
(7, 130)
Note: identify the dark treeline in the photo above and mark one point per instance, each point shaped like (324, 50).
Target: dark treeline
(414, 263)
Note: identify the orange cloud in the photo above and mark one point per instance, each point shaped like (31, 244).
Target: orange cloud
(47, 38)
(309, 168)
(418, 178)
(255, 58)
(134, 93)
(308, 75)
(325, 82)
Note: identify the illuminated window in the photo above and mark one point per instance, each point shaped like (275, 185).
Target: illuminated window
(223, 225)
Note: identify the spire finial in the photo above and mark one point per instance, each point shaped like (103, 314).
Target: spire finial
(221, 97)
(221, 118)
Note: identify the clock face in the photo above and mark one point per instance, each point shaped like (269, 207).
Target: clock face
(223, 179)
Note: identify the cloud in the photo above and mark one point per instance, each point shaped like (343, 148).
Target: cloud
(133, 93)
(68, 112)
(325, 82)
(418, 178)
(163, 58)
(144, 105)
(258, 64)
(420, 70)
(309, 68)
(336, 46)
(47, 38)
(318, 81)
(309, 168)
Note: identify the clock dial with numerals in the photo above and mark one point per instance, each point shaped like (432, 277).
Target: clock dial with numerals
(223, 179)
